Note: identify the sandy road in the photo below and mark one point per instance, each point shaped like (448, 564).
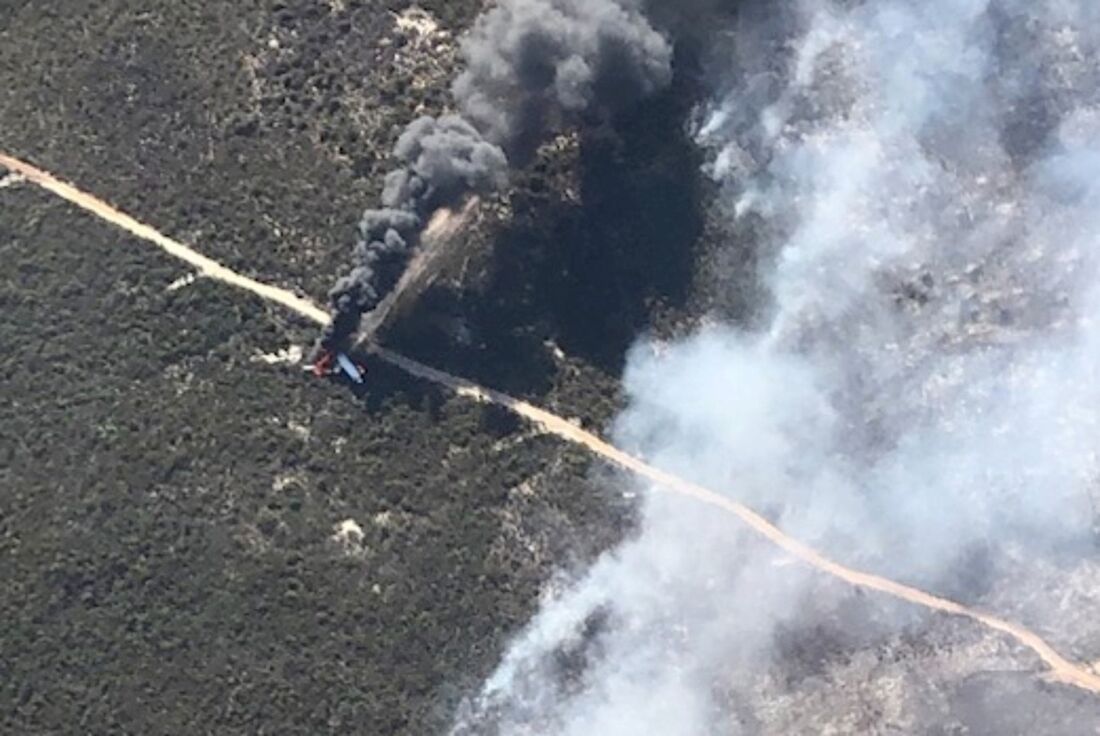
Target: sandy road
(205, 266)
(1061, 669)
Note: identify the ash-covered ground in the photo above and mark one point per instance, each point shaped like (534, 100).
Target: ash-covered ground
(197, 537)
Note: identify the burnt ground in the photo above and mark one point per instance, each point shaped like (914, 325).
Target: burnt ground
(170, 502)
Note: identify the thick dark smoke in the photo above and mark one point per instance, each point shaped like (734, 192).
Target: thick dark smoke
(440, 160)
(532, 67)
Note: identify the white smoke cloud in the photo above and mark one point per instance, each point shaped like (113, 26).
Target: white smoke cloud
(926, 381)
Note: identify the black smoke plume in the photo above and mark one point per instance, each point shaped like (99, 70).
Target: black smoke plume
(440, 159)
(532, 67)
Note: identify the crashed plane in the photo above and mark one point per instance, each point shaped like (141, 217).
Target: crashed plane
(334, 363)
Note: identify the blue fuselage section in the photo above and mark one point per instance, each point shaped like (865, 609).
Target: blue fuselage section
(350, 369)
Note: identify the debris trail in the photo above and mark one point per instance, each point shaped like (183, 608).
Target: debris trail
(1061, 669)
(437, 241)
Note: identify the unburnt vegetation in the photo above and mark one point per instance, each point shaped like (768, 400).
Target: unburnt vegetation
(200, 538)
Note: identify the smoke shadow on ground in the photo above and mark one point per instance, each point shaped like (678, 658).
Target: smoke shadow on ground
(590, 272)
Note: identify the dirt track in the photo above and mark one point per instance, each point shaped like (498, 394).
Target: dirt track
(1061, 669)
